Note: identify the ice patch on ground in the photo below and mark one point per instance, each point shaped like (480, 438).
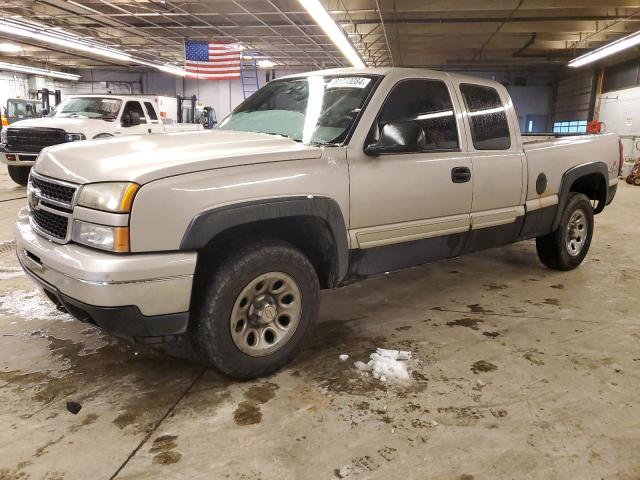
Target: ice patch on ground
(391, 366)
(30, 304)
(8, 274)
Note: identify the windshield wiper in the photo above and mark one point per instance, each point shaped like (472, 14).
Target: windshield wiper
(281, 135)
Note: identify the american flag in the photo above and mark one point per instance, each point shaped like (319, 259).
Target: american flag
(212, 60)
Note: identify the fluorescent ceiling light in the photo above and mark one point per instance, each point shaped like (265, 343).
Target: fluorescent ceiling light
(62, 40)
(322, 18)
(12, 67)
(266, 63)
(163, 67)
(602, 52)
(65, 39)
(10, 48)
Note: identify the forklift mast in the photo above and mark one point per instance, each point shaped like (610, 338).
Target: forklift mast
(191, 111)
(44, 94)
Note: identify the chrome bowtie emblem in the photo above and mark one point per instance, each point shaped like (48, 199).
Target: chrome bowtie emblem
(34, 201)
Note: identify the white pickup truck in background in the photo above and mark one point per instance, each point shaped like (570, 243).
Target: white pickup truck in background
(86, 117)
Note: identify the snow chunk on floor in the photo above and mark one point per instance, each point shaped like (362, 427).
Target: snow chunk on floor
(9, 274)
(30, 304)
(390, 366)
(344, 357)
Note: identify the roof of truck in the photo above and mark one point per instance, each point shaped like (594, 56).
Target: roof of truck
(102, 95)
(384, 71)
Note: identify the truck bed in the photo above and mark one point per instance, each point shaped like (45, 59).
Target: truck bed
(555, 154)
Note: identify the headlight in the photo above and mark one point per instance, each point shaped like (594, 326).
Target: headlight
(114, 197)
(3, 136)
(113, 239)
(74, 137)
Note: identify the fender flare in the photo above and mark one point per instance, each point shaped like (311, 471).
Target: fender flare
(205, 226)
(573, 174)
(102, 135)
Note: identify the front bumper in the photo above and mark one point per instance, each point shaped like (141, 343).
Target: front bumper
(134, 295)
(20, 159)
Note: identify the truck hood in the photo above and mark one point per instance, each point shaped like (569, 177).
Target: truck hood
(88, 126)
(144, 158)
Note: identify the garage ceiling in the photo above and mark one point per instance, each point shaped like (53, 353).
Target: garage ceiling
(461, 34)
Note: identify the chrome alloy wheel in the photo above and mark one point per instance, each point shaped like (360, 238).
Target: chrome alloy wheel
(266, 314)
(576, 234)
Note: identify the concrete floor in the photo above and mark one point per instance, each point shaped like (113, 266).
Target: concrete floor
(522, 372)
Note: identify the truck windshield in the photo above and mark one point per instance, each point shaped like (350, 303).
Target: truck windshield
(88, 107)
(312, 110)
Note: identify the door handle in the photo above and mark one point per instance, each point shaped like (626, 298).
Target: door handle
(460, 174)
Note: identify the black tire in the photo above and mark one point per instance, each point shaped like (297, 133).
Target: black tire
(636, 181)
(20, 175)
(211, 331)
(552, 248)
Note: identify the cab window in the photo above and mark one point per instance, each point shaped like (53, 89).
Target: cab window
(151, 111)
(427, 103)
(134, 107)
(487, 117)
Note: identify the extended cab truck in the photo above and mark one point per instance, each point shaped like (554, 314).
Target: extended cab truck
(83, 117)
(316, 180)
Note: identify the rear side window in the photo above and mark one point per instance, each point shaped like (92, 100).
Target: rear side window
(489, 126)
(428, 103)
(151, 111)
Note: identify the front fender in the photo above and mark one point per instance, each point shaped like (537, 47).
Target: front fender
(207, 225)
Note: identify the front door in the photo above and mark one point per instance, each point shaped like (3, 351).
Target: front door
(405, 199)
(131, 108)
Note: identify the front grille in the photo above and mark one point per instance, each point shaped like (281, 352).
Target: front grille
(33, 139)
(53, 191)
(50, 223)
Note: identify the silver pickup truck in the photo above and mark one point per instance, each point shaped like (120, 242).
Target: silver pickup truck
(317, 180)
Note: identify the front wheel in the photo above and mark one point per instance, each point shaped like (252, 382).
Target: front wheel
(636, 181)
(20, 175)
(258, 305)
(566, 247)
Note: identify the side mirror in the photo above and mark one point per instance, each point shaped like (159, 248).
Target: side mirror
(130, 119)
(398, 137)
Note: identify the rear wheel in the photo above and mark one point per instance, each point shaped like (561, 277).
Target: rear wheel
(636, 181)
(20, 175)
(258, 305)
(567, 246)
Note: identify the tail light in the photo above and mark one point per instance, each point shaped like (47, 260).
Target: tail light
(621, 160)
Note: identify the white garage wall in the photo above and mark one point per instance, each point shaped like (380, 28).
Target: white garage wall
(12, 85)
(620, 112)
(222, 95)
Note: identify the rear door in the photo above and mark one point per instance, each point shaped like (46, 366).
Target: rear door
(154, 122)
(497, 209)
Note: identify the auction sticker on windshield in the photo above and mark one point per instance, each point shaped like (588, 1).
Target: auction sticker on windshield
(348, 82)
